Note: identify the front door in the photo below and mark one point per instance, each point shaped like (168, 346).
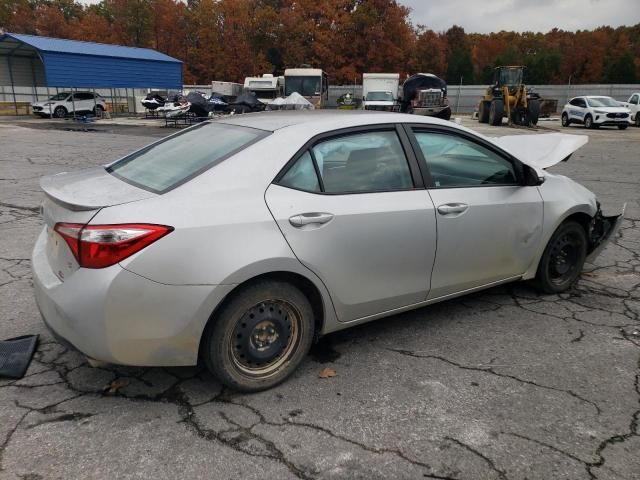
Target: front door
(350, 211)
(489, 226)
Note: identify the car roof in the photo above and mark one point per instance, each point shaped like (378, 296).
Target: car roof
(331, 119)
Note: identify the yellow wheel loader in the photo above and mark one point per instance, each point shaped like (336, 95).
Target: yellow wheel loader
(508, 97)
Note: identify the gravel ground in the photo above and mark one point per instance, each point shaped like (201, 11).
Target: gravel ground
(504, 384)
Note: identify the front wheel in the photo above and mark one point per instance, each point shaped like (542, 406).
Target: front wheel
(563, 258)
(565, 120)
(60, 112)
(588, 122)
(259, 337)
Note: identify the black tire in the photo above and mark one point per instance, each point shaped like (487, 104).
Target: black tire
(245, 347)
(445, 114)
(60, 112)
(534, 112)
(622, 127)
(496, 111)
(483, 112)
(637, 122)
(565, 120)
(588, 122)
(563, 258)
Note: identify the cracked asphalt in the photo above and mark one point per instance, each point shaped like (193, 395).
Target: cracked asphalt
(502, 384)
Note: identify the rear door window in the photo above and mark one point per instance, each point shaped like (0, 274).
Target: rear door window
(169, 163)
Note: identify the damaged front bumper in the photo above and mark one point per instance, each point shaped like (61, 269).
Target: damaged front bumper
(601, 230)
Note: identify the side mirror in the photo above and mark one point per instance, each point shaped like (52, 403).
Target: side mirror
(531, 177)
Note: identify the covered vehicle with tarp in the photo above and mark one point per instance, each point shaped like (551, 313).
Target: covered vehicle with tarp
(425, 94)
(295, 101)
(246, 102)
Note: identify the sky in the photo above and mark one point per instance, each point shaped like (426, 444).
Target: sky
(483, 16)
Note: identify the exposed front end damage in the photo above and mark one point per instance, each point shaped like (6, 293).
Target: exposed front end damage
(601, 230)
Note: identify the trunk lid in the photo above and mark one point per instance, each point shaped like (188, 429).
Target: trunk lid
(75, 198)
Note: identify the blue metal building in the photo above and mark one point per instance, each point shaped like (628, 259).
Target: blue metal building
(54, 62)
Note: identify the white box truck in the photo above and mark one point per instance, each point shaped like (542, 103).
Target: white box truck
(226, 88)
(380, 91)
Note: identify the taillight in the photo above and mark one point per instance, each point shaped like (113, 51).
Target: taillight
(100, 246)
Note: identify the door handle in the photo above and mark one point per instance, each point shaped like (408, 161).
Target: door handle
(451, 208)
(310, 218)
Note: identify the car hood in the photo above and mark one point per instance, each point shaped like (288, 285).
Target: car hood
(541, 151)
(612, 109)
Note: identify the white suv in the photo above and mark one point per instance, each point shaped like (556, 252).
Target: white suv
(595, 111)
(633, 104)
(65, 103)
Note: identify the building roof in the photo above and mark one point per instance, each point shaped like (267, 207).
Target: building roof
(56, 62)
(60, 45)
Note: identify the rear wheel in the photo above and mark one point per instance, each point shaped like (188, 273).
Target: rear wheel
(60, 112)
(638, 119)
(563, 258)
(565, 120)
(259, 337)
(588, 122)
(483, 112)
(496, 111)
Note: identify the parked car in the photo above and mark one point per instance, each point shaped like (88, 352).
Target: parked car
(595, 111)
(276, 228)
(66, 103)
(633, 104)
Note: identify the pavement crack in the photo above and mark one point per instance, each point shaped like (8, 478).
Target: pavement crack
(491, 463)
(65, 417)
(491, 371)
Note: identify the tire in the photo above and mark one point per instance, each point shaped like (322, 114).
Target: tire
(588, 122)
(60, 112)
(244, 346)
(637, 122)
(565, 120)
(622, 127)
(98, 110)
(444, 114)
(534, 112)
(483, 112)
(496, 111)
(563, 258)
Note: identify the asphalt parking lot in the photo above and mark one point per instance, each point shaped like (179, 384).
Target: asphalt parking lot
(502, 384)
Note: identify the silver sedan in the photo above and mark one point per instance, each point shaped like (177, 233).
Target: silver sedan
(237, 242)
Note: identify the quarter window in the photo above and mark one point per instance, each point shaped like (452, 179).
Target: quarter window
(454, 161)
(302, 175)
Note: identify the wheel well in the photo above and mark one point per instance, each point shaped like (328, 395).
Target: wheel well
(305, 285)
(583, 219)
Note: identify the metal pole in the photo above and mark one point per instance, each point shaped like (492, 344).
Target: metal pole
(33, 79)
(73, 102)
(95, 104)
(458, 99)
(13, 90)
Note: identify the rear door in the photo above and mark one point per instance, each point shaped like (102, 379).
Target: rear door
(489, 226)
(354, 211)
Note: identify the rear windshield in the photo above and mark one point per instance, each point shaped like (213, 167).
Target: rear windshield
(169, 163)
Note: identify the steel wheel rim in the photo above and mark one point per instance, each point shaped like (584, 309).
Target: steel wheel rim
(265, 338)
(564, 258)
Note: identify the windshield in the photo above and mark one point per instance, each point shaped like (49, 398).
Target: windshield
(305, 86)
(167, 164)
(510, 76)
(602, 102)
(60, 96)
(266, 94)
(379, 97)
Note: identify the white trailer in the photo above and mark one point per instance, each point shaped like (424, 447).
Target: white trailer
(380, 91)
(266, 88)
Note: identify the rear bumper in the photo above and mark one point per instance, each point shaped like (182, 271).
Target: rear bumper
(117, 316)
